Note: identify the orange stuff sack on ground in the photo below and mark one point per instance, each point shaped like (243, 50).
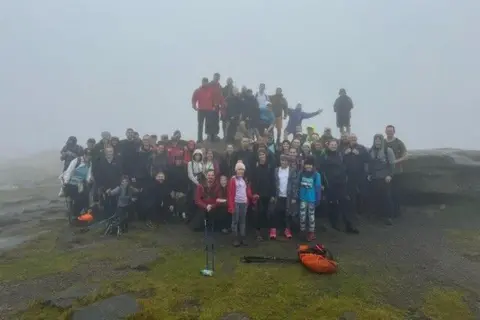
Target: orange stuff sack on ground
(86, 217)
(317, 259)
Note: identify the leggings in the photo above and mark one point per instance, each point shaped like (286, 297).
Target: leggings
(239, 219)
(307, 212)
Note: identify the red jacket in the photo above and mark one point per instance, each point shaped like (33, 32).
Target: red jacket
(205, 196)
(217, 94)
(232, 189)
(174, 152)
(202, 98)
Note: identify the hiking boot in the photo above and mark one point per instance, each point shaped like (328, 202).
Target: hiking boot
(243, 242)
(311, 236)
(150, 224)
(259, 235)
(273, 234)
(287, 233)
(352, 230)
(236, 243)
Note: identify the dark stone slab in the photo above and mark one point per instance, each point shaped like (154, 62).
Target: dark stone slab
(66, 298)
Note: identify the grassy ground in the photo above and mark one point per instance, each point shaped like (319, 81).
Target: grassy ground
(172, 287)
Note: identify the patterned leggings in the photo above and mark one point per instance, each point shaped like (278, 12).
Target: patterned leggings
(307, 209)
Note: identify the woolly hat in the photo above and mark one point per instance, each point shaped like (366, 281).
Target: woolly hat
(239, 166)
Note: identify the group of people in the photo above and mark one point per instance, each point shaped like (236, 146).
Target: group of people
(278, 186)
(245, 114)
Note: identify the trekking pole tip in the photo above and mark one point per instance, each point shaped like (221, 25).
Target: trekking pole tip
(207, 273)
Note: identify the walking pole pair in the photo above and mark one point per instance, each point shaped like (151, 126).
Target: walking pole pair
(209, 248)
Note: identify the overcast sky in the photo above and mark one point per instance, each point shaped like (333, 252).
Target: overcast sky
(80, 67)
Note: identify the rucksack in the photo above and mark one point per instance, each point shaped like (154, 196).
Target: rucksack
(79, 162)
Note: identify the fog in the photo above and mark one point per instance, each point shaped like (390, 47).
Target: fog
(81, 67)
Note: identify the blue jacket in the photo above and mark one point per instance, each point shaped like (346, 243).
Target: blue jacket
(295, 118)
(310, 187)
(267, 116)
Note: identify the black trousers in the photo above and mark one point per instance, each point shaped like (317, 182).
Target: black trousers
(261, 212)
(381, 198)
(279, 217)
(339, 206)
(80, 200)
(232, 130)
(201, 117)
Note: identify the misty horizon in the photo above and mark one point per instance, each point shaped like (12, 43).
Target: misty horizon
(80, 68)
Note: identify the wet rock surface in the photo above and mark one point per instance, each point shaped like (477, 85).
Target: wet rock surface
(66, 298)
(441, 175)
(114, 308)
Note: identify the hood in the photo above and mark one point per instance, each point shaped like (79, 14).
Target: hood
(197, 151)
(379, 136)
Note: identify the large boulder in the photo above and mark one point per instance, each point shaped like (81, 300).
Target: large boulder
(441, 175)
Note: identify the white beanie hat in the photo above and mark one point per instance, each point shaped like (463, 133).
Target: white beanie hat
(239, 166)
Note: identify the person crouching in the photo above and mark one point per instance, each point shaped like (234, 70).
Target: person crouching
(125, 192)
(157, 200)
(309, 197)
(206, 201)
(239, 197)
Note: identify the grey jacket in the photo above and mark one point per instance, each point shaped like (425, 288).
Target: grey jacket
(125, 194)
(382, 163)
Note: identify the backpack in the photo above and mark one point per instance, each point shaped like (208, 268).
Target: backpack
(79, 162)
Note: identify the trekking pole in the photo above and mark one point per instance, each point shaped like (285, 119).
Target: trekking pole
(213, 246)
(206, 272)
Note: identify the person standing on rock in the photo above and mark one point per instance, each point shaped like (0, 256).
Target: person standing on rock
(401, 155)
(343, 107)
(280, 110)
(380, 175)
(203, 105)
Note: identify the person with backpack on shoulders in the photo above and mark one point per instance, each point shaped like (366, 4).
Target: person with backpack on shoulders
(380, 174)
(76, 180)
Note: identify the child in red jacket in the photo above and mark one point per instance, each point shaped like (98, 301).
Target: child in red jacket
(239, 197)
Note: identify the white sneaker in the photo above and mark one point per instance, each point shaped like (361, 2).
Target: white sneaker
(184, 215)
(61, 193)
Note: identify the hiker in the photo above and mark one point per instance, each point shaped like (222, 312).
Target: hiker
(114, 144)
(262, 97)
(239, 198)
(176, 146)
(97, 151)
(284, 149)
(251, 113)
(280, 110)
(179, 183)
(263, 184)
(202, 103)
(334, 177)
(91, 143)
(295, 158)
(205, 200)
(295, 119)
(195, 174)
(356, 159)
(227, 91)
(188, 151)
(218, 102)
(344, 142)
(210, 163)
(326, 136)
(108, 175)
(309, 197)
(312, 136)
(124, 195)
(143, 162)
(157, 200)
(380, 174)
(227, 166)
(233, 114)
(244, 154)
(343, 107)
(76, 179)
(286, 194)
(221, 216)
(267, 121)
(158, 160)
(128, 148)
(70, 151)
(401, 155)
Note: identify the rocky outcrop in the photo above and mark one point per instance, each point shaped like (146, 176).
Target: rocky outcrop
(441, 176)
